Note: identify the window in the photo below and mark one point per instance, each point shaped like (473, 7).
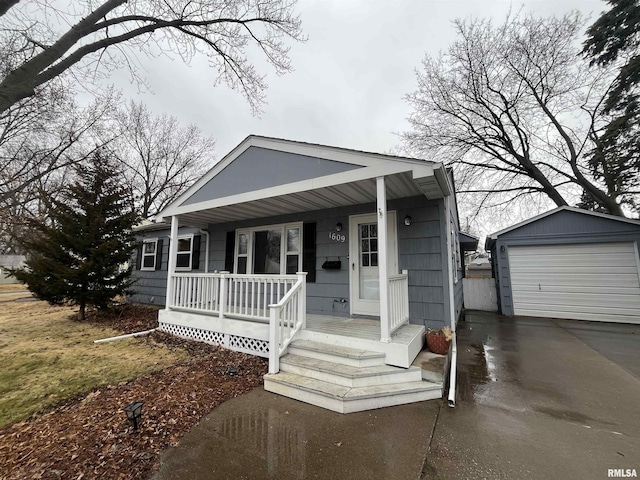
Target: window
(274, 250)
(185, 252)
(149, 253)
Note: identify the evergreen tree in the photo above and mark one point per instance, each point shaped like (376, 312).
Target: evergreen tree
(77, 254)
(613, 42)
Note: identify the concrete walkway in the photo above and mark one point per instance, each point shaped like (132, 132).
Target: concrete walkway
(261, 435)
(539, 398)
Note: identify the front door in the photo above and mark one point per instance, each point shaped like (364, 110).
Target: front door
(363, 259)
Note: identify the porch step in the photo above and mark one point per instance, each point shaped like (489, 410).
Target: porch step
(347, 375)
(344, 399)
(335, 353)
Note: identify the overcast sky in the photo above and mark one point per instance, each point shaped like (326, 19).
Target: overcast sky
(349, 78)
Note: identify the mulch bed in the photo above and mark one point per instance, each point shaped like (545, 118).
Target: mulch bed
(90, 437)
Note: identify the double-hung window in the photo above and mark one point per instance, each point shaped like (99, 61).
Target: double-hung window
(274, 249)
(149, 253)
(185, 252)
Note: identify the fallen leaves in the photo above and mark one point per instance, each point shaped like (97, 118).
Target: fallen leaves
(89, 437)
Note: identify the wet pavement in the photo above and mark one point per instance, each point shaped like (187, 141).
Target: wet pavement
(261, 435)
(540, 398)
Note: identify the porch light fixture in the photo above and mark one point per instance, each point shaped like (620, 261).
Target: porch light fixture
(407, 220)
(338, 227)
(134, 412)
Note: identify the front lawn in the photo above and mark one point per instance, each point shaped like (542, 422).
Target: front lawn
(46, 357)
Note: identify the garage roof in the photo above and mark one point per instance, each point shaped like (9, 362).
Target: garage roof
(491, 239)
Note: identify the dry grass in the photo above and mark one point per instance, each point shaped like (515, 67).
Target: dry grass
(12, 287)
(46, 357)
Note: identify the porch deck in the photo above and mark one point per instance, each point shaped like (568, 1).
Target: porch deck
(357, 327)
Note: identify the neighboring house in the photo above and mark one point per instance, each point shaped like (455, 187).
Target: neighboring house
(10, 262)
(319, 252)
(569, 263)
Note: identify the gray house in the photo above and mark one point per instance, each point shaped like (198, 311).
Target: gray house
(8, 262)
(569, 263)
(330, 262)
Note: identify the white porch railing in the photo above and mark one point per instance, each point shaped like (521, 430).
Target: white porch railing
(232, 295)
(287, 317)
(398, 300)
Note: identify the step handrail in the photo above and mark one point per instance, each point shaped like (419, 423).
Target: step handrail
(286, 318)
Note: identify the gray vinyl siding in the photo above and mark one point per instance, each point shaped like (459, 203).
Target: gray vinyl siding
(420, 251)
(259, 168)
(561, 228)
(150, 286)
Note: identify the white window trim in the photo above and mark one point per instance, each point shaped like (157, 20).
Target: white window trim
(455, 252)
(283, 227)
(155, 254)
(189, 268)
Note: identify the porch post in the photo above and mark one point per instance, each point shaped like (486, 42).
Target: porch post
(382, 260)
(171, 264)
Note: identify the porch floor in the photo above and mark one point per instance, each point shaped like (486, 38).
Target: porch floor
(364, 328)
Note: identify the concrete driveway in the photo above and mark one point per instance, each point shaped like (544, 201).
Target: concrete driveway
(541, 398)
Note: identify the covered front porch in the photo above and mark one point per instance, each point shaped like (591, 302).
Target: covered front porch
(310, 254)
(250, 313)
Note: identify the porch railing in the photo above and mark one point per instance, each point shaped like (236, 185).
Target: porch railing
(287, 317)
(398, 300)
(225, 294)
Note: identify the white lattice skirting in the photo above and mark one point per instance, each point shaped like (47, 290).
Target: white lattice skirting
(238, 343)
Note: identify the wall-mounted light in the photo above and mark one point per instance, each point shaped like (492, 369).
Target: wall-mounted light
(502, 248)
(338, 227)
(407, 220)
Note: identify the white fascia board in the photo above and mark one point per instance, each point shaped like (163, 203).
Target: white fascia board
(440, 173)
(302, 186)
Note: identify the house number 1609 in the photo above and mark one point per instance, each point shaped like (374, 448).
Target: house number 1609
(337, 237)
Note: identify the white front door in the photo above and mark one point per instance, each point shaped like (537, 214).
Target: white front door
(363, 259)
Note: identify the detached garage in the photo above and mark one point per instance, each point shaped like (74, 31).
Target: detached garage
(569, 263)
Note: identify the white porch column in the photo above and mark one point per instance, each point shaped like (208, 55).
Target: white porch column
(382, 260)
(171, 264)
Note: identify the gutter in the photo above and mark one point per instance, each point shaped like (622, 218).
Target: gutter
(128, 335)
(452, 308)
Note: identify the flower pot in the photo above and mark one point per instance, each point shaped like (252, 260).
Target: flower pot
(437, 342)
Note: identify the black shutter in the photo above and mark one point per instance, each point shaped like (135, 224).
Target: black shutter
(309, 251)
(195, 253)
(230, 251)
(159, 255)
(139, 257)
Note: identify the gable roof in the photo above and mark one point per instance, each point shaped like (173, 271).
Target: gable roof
(491, 238)
(272, 176)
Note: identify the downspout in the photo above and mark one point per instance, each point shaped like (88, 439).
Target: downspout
(452, 307)
(206, 252)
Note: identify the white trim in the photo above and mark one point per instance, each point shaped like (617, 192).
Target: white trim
(495, 235)
(360, 174)
(171, 263)
(155, 254)
(189, 268)
(283, 245)
(336, 154)
(354, 256)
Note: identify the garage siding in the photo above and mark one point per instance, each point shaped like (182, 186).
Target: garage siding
(587, 282)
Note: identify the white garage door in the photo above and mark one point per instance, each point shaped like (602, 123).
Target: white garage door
(584, 282)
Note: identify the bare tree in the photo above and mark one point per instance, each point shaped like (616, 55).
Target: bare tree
(110, 33)
(514, 108)
(160, 158)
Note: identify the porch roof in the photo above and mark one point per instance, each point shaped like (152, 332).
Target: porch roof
(403, 178)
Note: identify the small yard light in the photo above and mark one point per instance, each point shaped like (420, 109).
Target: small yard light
(134, 412)
(407, 220)
(232, 372)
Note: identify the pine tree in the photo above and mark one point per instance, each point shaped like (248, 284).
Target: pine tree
(76, 255)
(613, 42)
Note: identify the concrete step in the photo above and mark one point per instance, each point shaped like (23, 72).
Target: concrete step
(335, 353)
(347, 375)
(433, 366)
(343, 399)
